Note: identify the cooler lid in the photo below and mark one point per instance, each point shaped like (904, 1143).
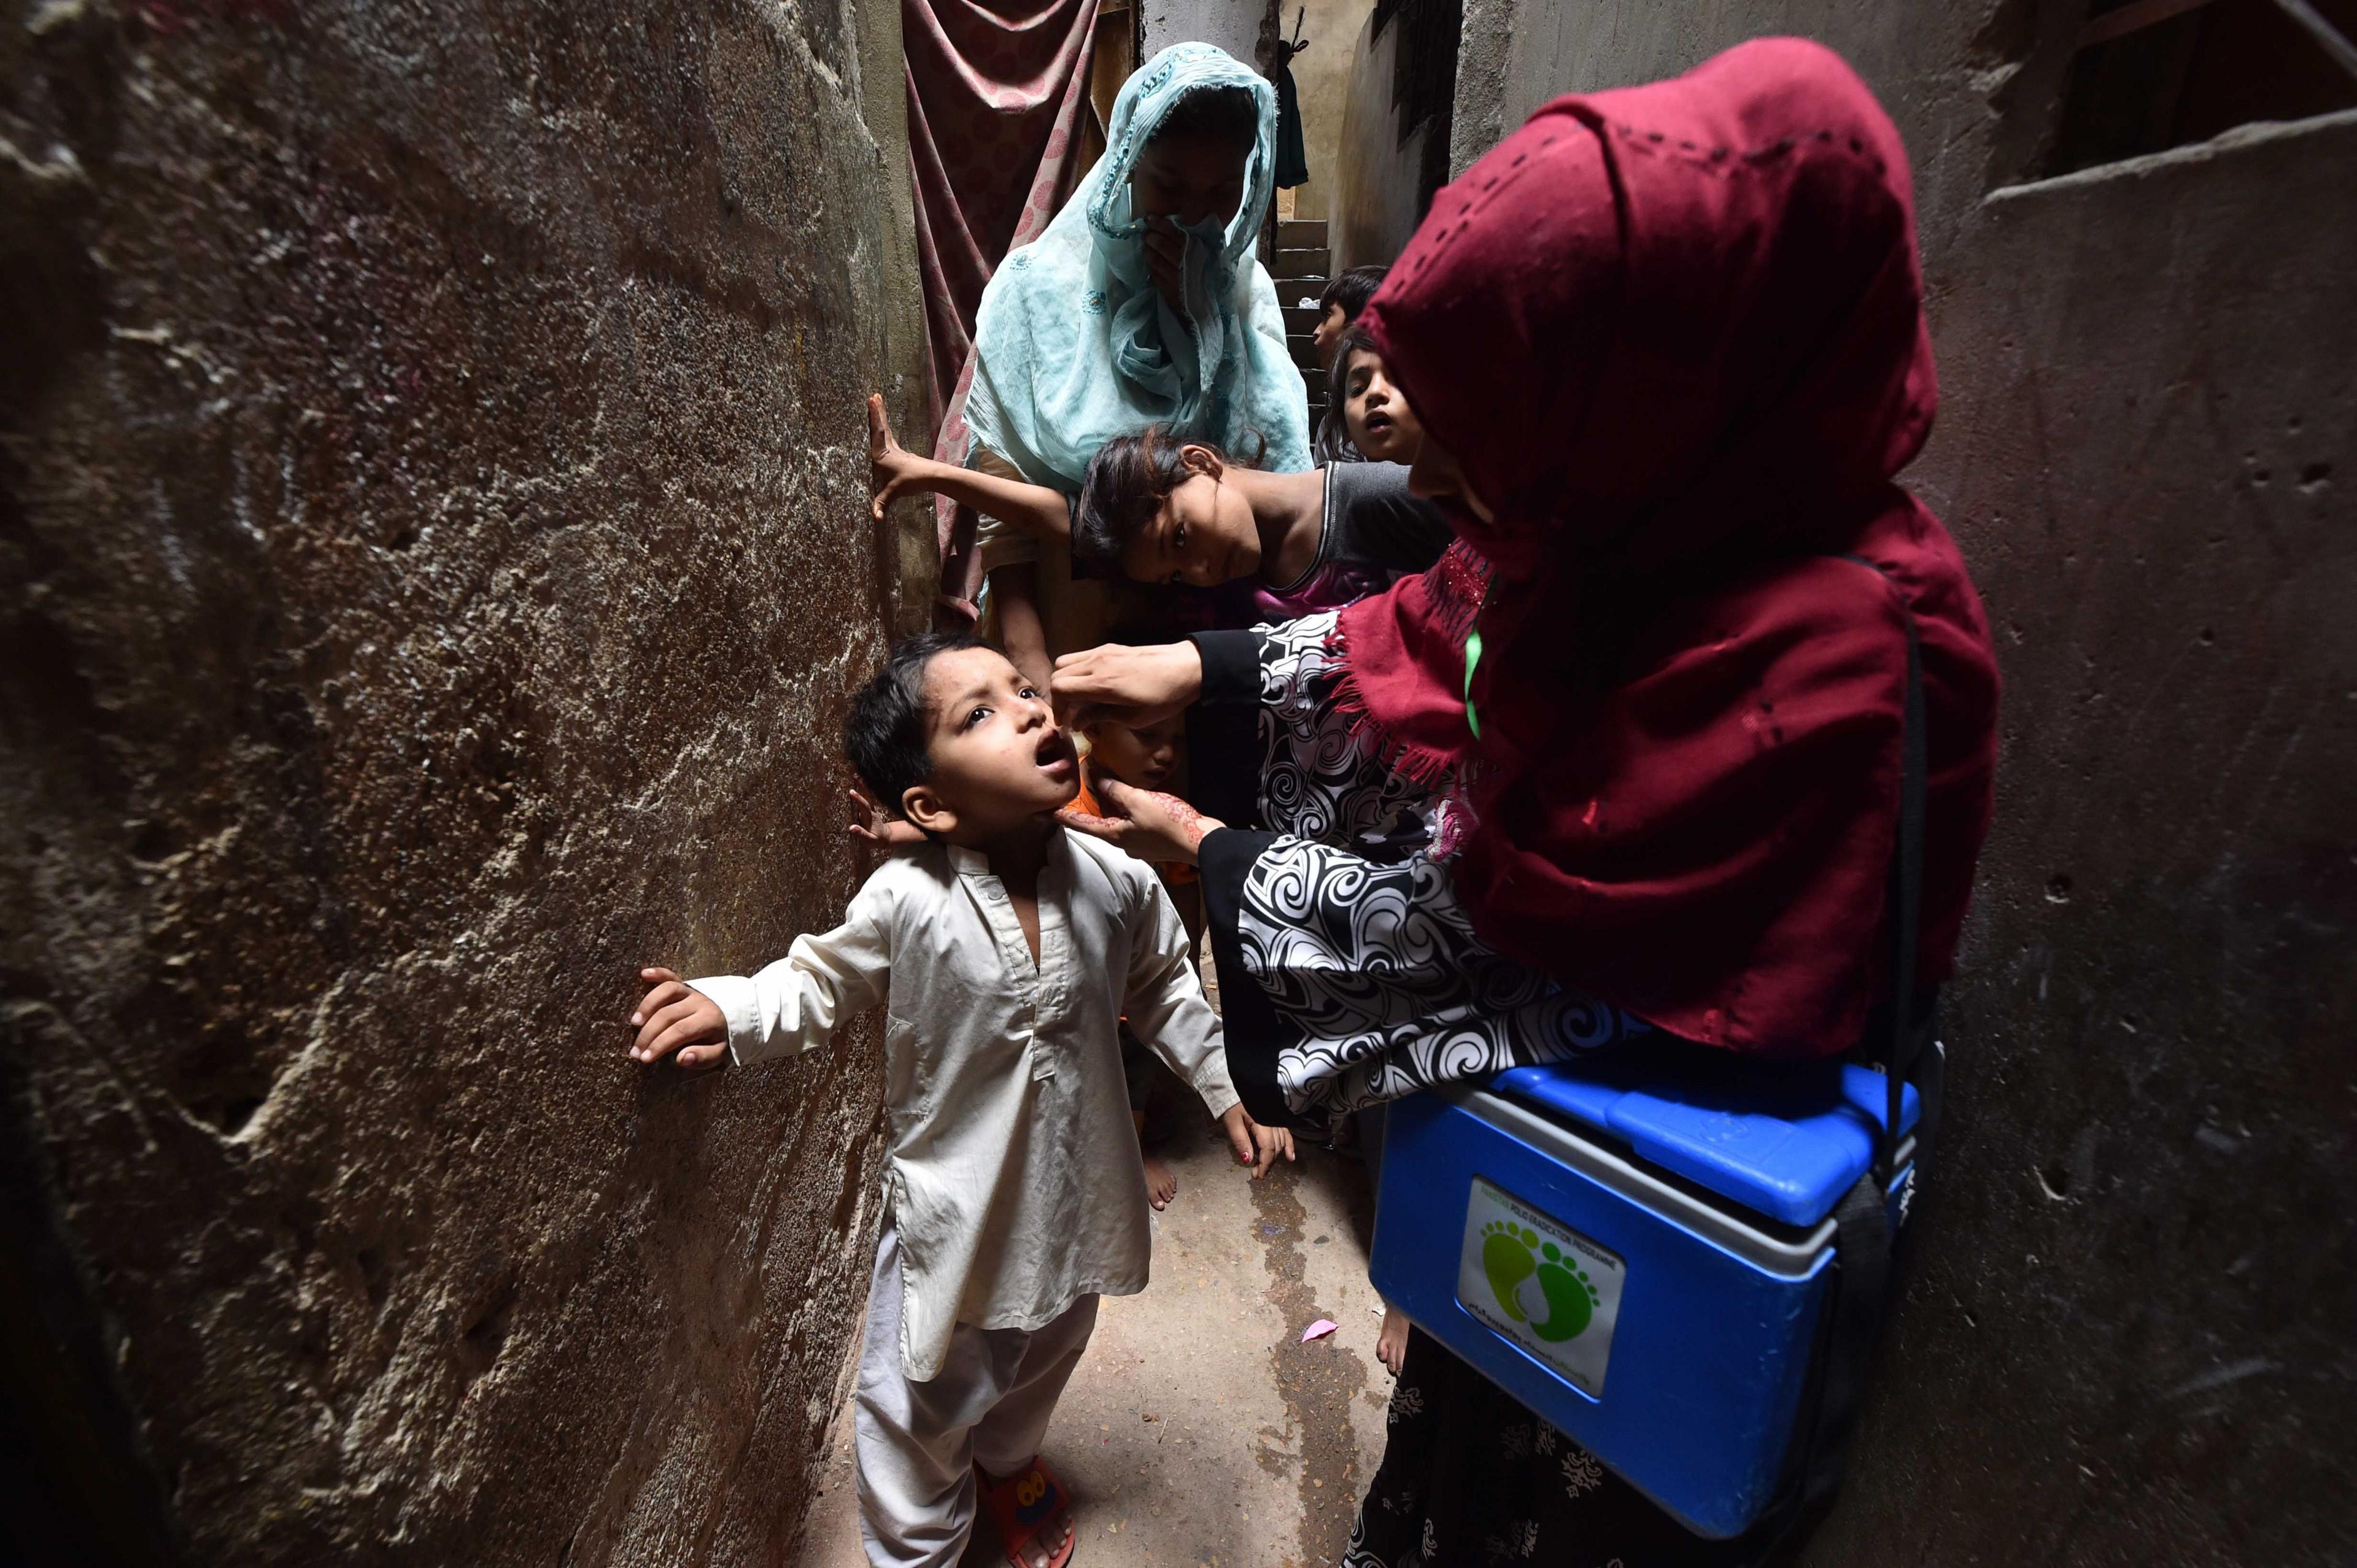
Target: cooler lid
(1784, 1139)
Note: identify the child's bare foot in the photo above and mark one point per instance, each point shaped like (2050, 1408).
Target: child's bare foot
(1161, 1183)
(1032, 1515)
(1390, 1343)
(1051, 1548)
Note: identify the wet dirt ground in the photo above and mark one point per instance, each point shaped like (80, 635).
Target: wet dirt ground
(1200, 1430)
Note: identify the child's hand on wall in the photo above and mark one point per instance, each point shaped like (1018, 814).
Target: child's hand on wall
(893, 470)
(1255, 1144)
(870, 826)
(675, 1017)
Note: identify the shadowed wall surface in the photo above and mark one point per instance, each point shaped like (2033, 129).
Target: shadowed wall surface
(2126, 1337)
(435, 560)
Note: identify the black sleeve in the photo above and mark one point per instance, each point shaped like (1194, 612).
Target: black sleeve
(1382, 524)
(1255, 1035)
(1223, 748)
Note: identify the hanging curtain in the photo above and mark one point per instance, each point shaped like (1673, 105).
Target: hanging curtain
(998, 103)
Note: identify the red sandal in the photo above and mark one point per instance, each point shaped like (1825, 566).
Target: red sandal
(1022, 1506)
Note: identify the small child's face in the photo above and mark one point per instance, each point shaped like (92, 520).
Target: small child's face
(1146, 756)
(1187, 179)
(1380, 422)
(998, 754)
(1203, 535)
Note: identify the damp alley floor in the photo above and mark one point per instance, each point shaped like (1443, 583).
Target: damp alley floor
(1200, 1430)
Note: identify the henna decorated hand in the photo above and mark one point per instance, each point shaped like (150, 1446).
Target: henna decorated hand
(1146, 823)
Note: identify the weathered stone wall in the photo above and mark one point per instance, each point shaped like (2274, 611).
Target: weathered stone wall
(2128, 1335)
(1376, 175)
(1321, 75)
(433, 562)
(1235, 26)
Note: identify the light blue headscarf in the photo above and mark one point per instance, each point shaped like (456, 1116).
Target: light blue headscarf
(1073, 345)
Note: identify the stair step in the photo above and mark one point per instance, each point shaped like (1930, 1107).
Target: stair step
(1298, 319)
(1301, 294)
(1305, 358)
(1306, 233)
(1299, 264)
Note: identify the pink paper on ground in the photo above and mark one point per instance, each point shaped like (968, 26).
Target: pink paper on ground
(1319, 1329)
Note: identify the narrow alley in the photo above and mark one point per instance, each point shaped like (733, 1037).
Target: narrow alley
(1200, 1429)
(1744, 614)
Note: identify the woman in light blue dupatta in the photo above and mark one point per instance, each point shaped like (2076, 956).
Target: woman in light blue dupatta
(1144, 302)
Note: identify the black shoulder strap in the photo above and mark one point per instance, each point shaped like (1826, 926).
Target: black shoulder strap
(1896, 1052)
(1853, 1314)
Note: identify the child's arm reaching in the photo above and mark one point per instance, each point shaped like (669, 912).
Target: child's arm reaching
(792, 1006)
(1165, 1007)
(895, 471)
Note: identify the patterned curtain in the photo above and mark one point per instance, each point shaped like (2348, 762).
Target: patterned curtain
(998, 105)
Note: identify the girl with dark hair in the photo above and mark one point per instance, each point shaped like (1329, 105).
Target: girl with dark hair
(1365, 416)
(1650, 705)
(1158, 508)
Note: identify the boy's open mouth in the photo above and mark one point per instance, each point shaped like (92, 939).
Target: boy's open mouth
(1055, 756)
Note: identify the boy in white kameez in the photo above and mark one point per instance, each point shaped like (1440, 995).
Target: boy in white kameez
(1005, 951)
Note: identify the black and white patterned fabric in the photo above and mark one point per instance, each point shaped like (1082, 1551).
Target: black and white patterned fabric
(1366, 956)
(1317, 781)
(1379, 969)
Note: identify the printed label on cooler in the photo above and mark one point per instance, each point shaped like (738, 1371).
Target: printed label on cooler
(1540, 1284)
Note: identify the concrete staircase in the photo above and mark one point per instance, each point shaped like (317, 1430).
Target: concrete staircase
(1302, 266)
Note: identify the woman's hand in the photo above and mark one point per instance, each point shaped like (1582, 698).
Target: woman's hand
(1135, 685)
(1146, 823)
(1166, 262)
(893, 470)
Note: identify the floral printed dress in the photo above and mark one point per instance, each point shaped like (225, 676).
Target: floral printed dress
(1349, 972)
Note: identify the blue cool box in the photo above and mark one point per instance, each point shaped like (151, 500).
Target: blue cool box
(1638, 1250)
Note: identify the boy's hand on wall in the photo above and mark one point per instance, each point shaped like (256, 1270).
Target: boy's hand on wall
(675, 1017)
(870, 826)
(893, 470)
(1255, 1144)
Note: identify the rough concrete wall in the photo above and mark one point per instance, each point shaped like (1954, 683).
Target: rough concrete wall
(1234, 24)
(1376, 177)
(2126, 1337)
(434, 554)
(1321, 75)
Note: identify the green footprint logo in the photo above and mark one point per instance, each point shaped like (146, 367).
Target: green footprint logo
(1524, 1283)
(1506, 1259)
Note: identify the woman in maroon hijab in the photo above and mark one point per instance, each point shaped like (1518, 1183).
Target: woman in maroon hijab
(1628, 757)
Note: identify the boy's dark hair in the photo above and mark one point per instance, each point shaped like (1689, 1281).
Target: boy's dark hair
(1351, 291)
(1212, 114)
(885, 733)
(1129, 479)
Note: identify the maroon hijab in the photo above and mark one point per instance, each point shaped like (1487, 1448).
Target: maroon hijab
(1673, 336)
